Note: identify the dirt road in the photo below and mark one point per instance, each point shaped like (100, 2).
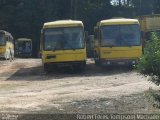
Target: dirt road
(24, 87)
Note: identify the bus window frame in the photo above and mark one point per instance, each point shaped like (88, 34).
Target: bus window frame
(140, 44)
(4, 40)
(43, 40)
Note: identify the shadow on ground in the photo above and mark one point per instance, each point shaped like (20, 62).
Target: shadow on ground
(37, 73)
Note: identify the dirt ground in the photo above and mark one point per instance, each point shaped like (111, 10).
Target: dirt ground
(25, 88)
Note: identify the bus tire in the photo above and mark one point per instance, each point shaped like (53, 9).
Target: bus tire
(6, 55)
(82, 67)
(130, 66)
(79, 67)
(10, 56)
(97, 62)
(46, 68)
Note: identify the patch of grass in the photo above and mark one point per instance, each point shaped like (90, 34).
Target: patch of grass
(154, 97)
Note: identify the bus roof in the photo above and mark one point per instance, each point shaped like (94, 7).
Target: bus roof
(6, 33)
(63, 23)
(24, 39)
(120, 21)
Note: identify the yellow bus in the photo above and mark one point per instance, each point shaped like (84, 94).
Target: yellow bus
(63, 44)
(149, 23)
(6, 45)
(117, 41)
(23, 47)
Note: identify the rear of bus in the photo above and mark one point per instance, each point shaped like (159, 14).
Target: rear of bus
(119, 42)
(63, 44)
(24, 47)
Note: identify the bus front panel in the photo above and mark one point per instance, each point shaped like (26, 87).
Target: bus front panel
(120, 43)
(63, 45)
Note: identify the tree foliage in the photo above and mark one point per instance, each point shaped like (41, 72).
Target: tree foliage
(150, 61)
(25, 18)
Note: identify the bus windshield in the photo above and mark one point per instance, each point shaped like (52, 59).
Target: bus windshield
(120, 35)
(2, 39)
(24, 46)
(63, 38)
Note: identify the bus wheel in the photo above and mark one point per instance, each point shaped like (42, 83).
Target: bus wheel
(79, 67)
(130, 66)
(6, 56)
(10, 57)
(46, 68)
(97, 62)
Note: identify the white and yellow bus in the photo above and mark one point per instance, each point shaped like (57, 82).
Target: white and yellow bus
(63, 44)
(117, 41)
(6, 45)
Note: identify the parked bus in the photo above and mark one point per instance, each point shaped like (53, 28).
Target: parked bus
(63, 44)
(149, 24)
(117, 41)
(6, 45)
(23, 47)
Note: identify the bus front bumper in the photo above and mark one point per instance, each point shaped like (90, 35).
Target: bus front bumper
(66, 64)
(107, 62)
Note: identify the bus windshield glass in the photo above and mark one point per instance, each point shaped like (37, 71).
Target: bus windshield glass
(2, 39)
(120, 35)
(63, 38)
(24, 46)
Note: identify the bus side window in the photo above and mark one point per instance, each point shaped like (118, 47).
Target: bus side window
(11, 39)
(7, 39)
(41, 41)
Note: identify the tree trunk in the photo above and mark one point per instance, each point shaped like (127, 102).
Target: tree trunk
(119, 2)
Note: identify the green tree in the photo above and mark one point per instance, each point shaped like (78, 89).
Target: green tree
(25, 18)
(150, 62)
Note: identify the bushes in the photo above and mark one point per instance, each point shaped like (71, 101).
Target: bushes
(149, 63)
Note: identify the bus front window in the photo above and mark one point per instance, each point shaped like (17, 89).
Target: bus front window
(25, 46)
(120, 35)
(63, 38)
(2, 39)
